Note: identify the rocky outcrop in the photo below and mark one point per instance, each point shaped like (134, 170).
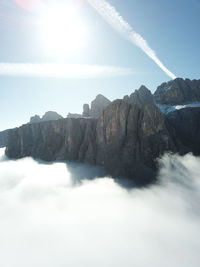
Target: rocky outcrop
(126, 139)
(98, 105)
(178, 91)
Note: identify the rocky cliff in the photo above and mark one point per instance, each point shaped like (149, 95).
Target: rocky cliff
(126, 139)
(71, 139)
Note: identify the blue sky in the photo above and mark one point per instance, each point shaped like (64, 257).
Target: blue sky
(170, 27)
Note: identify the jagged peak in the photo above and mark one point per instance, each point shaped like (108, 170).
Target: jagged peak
(101, 97)
(143, 88)
(141, 96)
(178, 91)
(177, 81)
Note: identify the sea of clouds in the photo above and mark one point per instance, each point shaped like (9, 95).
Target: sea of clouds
(58, 215)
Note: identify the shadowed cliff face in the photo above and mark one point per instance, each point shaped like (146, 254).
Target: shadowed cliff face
(67, 139)
(184, 127)
(130, 139)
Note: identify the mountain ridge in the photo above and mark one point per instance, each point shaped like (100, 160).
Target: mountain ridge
(127, 138)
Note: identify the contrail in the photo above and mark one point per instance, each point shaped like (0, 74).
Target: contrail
(68, 71)
(110, 14)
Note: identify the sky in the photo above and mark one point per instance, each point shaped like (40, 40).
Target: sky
(106, 59)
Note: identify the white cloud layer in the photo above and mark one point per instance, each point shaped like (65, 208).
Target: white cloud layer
(47, 220)
(109, 13)
(68, 71)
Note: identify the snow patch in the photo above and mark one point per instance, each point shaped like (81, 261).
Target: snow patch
(167, 109)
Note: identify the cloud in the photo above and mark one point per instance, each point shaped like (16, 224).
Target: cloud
(47, 220)
(109, 13)
(68, 71)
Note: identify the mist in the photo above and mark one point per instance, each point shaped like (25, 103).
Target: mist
(56, 215)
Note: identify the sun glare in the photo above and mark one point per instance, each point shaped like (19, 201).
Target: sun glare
(63, 32)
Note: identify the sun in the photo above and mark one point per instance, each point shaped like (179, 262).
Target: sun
(63, 31)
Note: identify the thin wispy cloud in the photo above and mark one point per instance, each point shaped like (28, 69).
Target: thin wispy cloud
(68, 71)
(109, 13)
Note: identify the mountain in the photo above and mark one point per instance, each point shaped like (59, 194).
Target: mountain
(126, 139)
(97, 107)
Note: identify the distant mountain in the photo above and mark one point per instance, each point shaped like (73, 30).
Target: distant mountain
(98, 105)
(35, 119)
(178, 92)
(48, 116)
(125, 137)
(74, 116)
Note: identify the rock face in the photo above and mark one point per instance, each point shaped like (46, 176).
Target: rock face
(4, 138)
(184, 126)
(71, 139)
(126, 139)
(130, 138)
(98, 105)
(178, 91)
